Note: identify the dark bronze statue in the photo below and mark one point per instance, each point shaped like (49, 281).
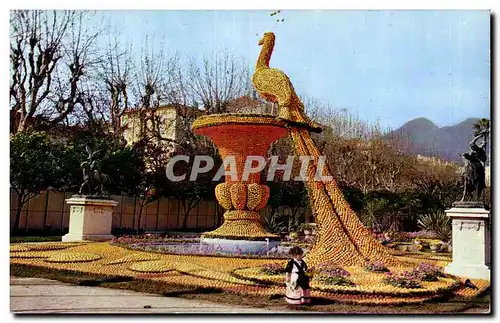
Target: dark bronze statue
(474, 171)
(93, 177)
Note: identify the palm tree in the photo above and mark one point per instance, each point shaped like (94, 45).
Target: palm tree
(483, 125)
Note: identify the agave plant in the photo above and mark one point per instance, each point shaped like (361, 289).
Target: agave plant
(437, 222)
(372, 210)
(274, 224)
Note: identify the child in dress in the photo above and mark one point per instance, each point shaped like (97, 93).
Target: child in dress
(297, 279)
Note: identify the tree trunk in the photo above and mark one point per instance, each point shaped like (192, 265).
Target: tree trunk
(20, 205)
(133, 215)
(184, 222)
(22, 124)
(46, 209)
(157, 214)
(141, 206)
(186, 213)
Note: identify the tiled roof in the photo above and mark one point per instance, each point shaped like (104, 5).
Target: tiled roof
(243, 102)
(181, 110)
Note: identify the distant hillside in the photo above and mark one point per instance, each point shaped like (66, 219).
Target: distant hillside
(425, 138)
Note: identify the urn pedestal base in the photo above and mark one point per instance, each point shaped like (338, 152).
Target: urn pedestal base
(241, 233)
(90, 219)
(471, 243)
(241, 225)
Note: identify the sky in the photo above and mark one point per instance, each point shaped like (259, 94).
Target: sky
(385, 66)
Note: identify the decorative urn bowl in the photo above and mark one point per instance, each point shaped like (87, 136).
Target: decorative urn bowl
(238, 136)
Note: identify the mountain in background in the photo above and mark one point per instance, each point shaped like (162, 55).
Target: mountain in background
(422, 136)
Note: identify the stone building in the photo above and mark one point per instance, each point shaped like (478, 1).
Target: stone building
(434, 161)
(245, 104)
(169, 122)
(172, 122)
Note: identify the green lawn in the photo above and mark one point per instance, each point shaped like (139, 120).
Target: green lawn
(35, 239)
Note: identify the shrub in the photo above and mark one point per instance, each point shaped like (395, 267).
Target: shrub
(383, 238)
(272, 269)
(403, 280)
(126, 231)
(335, 280)
(398, 236)
(273, 223)
(423, 234)
(437, 222)
(428, 272)
(332, 271)
(376, 266)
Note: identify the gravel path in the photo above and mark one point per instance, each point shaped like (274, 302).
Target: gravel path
(37, 295)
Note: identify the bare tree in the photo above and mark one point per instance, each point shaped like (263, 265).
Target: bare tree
(95, 108)
(50, 53)
(219, 79)
(158, 81)
(115, 72)
(149, 76)
(340, 122)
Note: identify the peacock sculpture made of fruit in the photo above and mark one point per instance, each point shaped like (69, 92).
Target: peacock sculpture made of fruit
(341, 237)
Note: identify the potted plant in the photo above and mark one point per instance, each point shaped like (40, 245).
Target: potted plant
(435, 247)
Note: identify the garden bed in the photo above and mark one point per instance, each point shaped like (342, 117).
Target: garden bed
(219, 273)
(364, 283)
(322, 302)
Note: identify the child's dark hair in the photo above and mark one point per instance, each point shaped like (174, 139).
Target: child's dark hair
(296, 251)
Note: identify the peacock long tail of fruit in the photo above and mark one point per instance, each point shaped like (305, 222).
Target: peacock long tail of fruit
(341, 237)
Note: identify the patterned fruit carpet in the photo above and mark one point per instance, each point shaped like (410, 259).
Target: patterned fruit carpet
(247, 276)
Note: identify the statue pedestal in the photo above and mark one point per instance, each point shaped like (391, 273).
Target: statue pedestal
(90, 219)
(471, 242)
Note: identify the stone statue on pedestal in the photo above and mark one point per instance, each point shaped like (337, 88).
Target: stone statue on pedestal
(91, 211)
(470, 219)
(474, 170)
(93, 177)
